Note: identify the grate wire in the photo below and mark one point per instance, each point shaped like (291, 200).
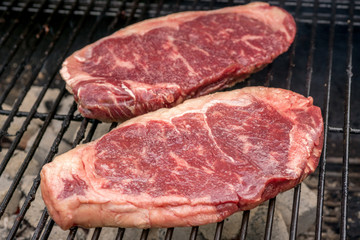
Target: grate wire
(346, 135)
(176, 6)
(118, 16)
(43, 219)
(48, 229)
(322, 163)
(169, 233)
(194, 232)
(244, 225)
(270, 219)
(144, 234)
(218, 230)
(292, 50)
(310, 61)
(96, 234)
(120, 234)
(72, 233)
(295, 212)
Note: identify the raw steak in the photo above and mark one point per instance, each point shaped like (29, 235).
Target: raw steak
(163, 61)
(189, 165)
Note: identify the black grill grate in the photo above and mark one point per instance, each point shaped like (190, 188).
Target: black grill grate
(36, 36)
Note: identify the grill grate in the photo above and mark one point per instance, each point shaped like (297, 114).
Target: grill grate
(323, 62)
(156, 8)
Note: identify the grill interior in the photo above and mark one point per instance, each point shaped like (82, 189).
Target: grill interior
(36, 36)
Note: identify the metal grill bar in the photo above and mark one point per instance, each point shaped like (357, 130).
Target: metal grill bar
(41, 116)
(304, 18)
(176, 8)
(118, 15)
(48, 229)
(120, 234)
(295, 212)
(195, 4)
(218, 231)
(159, 7)
(81, 132)
(193, 234)
(133, 10)
(96, 234)
(41, 225)
(169, 233)
(244, 224)
(346, 139)
(322, 163)
(100, 17)
(309, 66)
(292, 51)
(72, 233)
(144, 234)
(269, 219)
(341, 130)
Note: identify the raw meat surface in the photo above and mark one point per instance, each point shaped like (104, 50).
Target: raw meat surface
(163, 61)
(189, 165)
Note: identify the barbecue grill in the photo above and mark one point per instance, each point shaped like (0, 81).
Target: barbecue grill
(37, 35)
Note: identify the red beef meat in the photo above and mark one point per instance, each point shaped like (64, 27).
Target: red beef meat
(193, 164)
(163, 61)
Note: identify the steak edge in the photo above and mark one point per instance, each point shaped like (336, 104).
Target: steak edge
(163, 61)
(193, 164)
